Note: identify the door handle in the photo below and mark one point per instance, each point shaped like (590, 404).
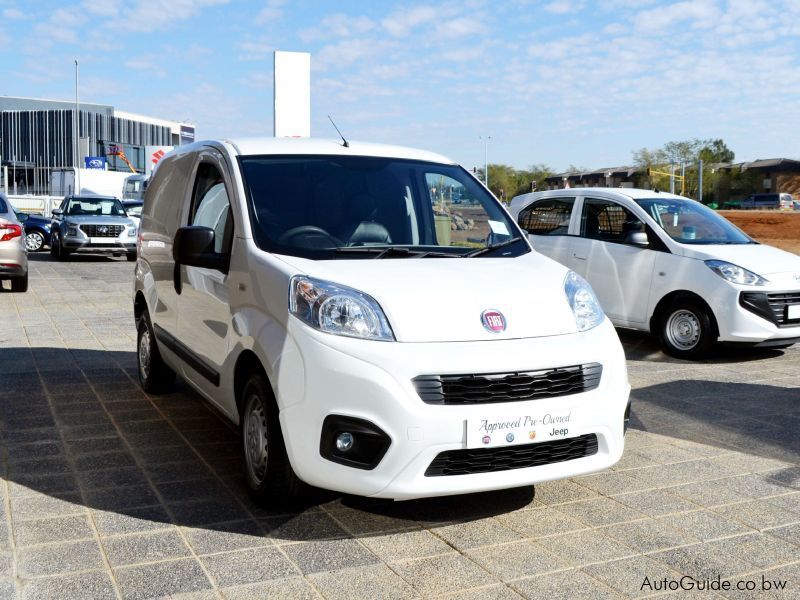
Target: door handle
(578, 256)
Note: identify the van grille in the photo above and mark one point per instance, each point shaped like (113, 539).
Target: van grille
(102, 230)
(508, 387)
(491, 460)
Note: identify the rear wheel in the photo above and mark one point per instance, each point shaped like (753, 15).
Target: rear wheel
(154, 375)
(269, 474)
(20, 284)
(687, 330)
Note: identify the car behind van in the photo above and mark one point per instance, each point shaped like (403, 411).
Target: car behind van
(765, 201)
(366, 333)
(668, 265)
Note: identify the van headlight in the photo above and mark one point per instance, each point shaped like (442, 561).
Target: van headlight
(735, 273)
(337, 309)
(584, 304)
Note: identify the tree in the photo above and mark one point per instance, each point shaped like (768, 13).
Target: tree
(505, 181)
(688, 152)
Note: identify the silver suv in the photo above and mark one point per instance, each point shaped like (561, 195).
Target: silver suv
(13, 254)
(96, 224)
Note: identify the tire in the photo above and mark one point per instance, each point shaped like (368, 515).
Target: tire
(34, 241)
(54, 246)
(155, 376)
(20, 284)
(131, 257)
(269, 474)
(57, 250)
(687, 330)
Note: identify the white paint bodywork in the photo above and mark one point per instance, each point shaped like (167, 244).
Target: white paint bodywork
(631, 281)
(433, 306)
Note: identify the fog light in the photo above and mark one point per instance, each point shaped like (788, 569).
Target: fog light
(344, 441)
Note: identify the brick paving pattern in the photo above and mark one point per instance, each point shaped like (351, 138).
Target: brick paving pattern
(109, 493)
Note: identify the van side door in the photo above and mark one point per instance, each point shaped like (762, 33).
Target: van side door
(547, 222)
(604, 254)
(204, 316)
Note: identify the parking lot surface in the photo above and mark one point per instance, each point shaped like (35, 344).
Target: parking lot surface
(107, 492)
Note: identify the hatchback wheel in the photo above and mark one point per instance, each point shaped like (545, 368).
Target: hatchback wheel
(154, 375)
(269, 474)
(687, 330)
(34, 241)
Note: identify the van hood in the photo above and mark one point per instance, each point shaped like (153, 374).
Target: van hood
(442, 299)
(758, 258)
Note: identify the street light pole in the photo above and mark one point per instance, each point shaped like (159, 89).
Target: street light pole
(77, 134)
(486, 139)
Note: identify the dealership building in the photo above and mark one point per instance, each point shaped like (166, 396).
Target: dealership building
(38, 137)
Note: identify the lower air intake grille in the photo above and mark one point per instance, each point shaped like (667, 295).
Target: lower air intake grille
(491, 460)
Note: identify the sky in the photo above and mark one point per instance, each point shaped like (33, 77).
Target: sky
(559, 82)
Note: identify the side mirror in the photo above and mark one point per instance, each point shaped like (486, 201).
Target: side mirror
(194, 247)
(637, 238)
(56, 212)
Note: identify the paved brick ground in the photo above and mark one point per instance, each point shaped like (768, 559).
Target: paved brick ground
(108, 493)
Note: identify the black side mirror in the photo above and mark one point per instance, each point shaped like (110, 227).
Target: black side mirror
(194, 247)
(57, 212)
(637, 238)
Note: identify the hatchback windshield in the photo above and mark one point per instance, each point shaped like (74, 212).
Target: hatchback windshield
(689, 222)
(366, 207)
(81, 206)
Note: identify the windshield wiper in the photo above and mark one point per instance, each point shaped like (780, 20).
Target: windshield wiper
(487, 249)
(394, 252)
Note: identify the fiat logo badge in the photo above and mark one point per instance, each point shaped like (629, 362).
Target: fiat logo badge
(493, 321)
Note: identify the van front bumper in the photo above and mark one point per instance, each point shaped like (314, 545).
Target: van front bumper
(371, 382)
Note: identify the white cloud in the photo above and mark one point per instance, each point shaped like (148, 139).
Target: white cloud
(701, 14)
(14, 14)
(149, 64)
(272, 11)
(337, 26)
(255, 49)
(562, 7)
(402, 23)
(146, 16)
(459, 27)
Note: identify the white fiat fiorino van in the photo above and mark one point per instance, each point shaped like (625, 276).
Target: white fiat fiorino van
(369, 335)
(669, 265)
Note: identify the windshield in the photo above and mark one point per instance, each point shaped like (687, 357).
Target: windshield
(332, 207)
(95, 207)
(134, 210)
(690, 222)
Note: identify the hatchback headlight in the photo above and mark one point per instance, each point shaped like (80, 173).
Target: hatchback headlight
(584, 304)
(735, 273)
(337, 309)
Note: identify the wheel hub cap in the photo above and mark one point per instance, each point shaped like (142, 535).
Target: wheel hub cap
(255, 442)
(33, 241)
(144, 354)
(683, 329)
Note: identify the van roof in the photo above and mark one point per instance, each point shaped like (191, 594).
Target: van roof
(321, 146)
(633, 193)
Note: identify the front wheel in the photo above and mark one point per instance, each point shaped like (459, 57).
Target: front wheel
(34, 241)
(131, 257)
(154, 375)
(687, 330)
(269, 474)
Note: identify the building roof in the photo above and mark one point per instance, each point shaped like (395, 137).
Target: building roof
(267, 145)
(764, 164)
(626, 171)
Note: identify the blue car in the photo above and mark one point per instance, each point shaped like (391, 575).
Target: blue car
(37, 230)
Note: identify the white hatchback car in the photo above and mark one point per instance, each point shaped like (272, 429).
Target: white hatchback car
(368, 335)
(669, 265)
